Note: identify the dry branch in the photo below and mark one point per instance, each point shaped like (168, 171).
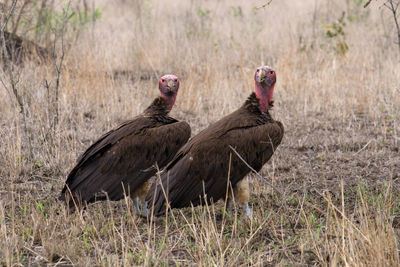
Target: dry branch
(10, 70)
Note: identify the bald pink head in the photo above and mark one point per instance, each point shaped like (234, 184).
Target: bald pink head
(169, 85)
(265, 79)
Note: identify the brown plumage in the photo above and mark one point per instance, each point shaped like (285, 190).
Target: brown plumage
(200, 169)
(122, 160)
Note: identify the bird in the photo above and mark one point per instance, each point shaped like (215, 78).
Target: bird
(199, 172)
(122, 161)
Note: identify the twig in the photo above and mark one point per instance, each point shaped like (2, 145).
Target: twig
(328, 200)
(367, 3)
(17, 21)
(58, 66)
(10, 13)
(393, 8)
(7, 56)
(264, 5)
(263, 178)
(363, 147)
(253, 170)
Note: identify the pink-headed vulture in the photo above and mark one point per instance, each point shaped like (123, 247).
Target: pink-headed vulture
(122, 161)
(200, 170)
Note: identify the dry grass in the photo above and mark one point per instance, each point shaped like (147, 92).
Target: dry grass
(338, 164)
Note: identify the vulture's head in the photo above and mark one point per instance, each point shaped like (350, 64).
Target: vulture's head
(265, 79)
(169, 85)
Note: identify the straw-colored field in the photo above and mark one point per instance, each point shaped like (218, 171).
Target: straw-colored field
(338, 165)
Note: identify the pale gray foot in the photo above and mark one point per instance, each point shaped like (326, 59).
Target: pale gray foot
(229, 207)
(136, 203)
(142, 212)
(145, 211)
(245, 207)
(248, 211)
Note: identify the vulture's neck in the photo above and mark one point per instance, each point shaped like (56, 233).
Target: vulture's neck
(252, 104)
(264, 94)
(159, 107)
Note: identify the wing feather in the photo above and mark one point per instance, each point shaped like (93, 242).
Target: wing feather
(122, 159)
(205, 159)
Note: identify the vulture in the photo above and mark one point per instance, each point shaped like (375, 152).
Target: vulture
(123, 160)
(200, 170)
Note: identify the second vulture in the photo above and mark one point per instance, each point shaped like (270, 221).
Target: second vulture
(123, 160)
(199, 171)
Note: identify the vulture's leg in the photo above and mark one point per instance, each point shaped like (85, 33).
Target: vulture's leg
(145, 209)
(140, 206)
(241, 194)
(139, 195)
(230, 204)
(248, 211)
(144, 189)
(136, 203)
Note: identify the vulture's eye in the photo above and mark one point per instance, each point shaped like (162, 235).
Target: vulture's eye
(162, 80)
(271, 72)
(175, 80)
(258, 71)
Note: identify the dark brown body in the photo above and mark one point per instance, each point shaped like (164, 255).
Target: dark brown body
(202, 165)
(123, 159)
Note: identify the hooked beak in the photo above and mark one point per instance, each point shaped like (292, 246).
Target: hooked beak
(261, 76)
(170, 85)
